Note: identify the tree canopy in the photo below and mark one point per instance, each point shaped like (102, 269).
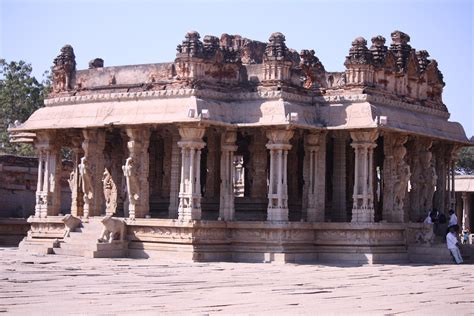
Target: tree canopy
(465, 164)
(20, 95)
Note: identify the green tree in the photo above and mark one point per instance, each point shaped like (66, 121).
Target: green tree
(465, 164)
(20, 95)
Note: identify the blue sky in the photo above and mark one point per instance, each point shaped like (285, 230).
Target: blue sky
(136, 32)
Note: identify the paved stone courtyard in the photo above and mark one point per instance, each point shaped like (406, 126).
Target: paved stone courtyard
(58, 285)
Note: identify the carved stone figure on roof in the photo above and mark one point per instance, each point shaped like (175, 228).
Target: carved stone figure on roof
(359, 53)
(64, 68)
(378, 50)
(276, 48)
(314, 74)
(400, 49)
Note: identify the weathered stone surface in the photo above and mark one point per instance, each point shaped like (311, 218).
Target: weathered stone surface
(170, 288)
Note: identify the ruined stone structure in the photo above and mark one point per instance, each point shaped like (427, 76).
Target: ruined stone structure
(244, 150)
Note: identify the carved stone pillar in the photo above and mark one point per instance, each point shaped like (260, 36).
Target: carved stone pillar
(258, 166)
(77, 197)
(136, 170)
(453, 157)
(314, 176)
(363, 197)
(423, 180)
(339, 206)
(465, 211)
(228, 147)
(48, 190)
(211, 163)
(190, 185)
(91, 170)
(174, 176)
(440, 196)
(278, 144)
(396, 173)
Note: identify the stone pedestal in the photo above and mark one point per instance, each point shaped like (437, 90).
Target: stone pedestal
(91, 170)
(48, 190)
(228, 147)
(363, 197)
(278, 144)
(136, 170)
(190, 185)
(314, 176)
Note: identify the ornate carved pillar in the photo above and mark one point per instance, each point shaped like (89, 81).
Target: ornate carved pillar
(423, 180)
(48, 190)
(91, 170)
(190, 185)
(453, 157)
(363, 204)
(228, 147)
(339, 206)
(174, 176)
(77, 197)
(136, 171)
(466, 210)
(278, 144)
(258, 166)
(314, 176)
(396, 173)
(211, 163)
(440, 196)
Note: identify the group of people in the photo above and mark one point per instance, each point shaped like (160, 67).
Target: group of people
(439, 219)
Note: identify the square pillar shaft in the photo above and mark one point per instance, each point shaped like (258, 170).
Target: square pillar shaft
(315, 176)
(228, 147)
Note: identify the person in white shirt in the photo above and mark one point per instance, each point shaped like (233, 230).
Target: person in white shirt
(451, 242)
(453, 219)
(428, 220)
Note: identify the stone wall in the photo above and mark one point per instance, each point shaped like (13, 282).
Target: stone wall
(18, 178)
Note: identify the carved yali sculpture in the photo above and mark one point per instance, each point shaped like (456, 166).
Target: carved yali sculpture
(110, 193)
(70, 223)
(114, 228)
(85, 180)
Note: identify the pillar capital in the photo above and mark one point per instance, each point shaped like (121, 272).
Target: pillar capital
(364, 137)
(279, 136)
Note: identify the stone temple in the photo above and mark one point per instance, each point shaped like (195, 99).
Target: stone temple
(246, 151)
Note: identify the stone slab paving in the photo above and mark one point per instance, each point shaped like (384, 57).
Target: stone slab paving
(62, 285)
